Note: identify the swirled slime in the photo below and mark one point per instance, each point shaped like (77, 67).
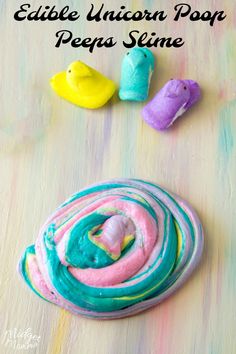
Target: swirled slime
(114, 249)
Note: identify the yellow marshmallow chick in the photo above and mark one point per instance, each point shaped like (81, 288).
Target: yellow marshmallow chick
(83, 86)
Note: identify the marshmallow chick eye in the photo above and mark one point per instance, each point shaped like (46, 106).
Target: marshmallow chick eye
(173, 100)
(83, 86)
(136, 73)
(114, 249)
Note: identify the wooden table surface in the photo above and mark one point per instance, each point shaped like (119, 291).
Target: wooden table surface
(50, 149)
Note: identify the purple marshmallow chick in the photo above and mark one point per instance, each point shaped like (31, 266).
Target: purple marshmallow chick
(174, 99)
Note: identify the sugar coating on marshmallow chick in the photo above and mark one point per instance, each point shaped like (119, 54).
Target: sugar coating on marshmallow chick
(83, 86)
(136, 73)
(174, 99)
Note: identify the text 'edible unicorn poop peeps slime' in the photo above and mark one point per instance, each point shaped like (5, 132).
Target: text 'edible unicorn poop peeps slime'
(174, 99)
(83, 86)
(136, 73)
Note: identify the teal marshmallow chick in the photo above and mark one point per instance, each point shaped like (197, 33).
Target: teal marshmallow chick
(136, 72)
